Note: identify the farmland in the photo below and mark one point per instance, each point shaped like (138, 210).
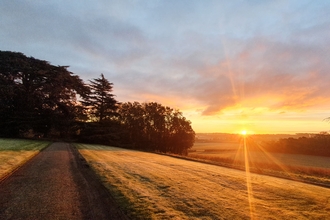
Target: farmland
(14, 153)
(152, 186)
(229, 150)
(307, 168)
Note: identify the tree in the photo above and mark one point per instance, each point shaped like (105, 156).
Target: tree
(36, 96)
(153, 127)
(100, 101)
(102, 126)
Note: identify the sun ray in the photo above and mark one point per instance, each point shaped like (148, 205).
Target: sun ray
(229, 68)
(238, 155)
(247, 157)
(276, 162)
(248, 179)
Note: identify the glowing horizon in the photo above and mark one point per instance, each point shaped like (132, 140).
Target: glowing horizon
(228, 66)
(244, 132)
(263, 122)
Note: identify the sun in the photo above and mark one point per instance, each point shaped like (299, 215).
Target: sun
(243, 132)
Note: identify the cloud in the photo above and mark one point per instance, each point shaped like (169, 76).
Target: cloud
(219, 56)
(291, 76)
(79, 32)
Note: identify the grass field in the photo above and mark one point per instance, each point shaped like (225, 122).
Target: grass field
(230, 150)
(152, 186)
(14, 153)
(307, 168)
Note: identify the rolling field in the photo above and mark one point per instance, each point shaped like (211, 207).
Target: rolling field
(306, 168)
(230, 150)
(14, 153)
(152, 186)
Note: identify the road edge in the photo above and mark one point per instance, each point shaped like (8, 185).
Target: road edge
(24, 163)
(91, 179)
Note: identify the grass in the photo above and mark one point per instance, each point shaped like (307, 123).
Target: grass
(153, 186)
(230, 150)
(14, 153)
(311, 169)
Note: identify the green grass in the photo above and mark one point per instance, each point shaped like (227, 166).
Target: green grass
(15, 152)
(21, 145)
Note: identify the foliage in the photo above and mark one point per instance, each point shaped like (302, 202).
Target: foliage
(153, 127)
(318, 144)
(100, 101)
(38, 99)
(105, 132)
(102, 126)
(36, 96)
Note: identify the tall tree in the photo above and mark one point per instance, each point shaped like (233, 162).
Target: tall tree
(102, 126)
(35, 95)
(101, 102)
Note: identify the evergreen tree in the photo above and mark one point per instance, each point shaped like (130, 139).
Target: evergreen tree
(100, 102)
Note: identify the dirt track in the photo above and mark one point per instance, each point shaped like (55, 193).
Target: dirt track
(56, 184)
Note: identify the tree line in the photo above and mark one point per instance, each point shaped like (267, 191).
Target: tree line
(318, 145)
(40, 100)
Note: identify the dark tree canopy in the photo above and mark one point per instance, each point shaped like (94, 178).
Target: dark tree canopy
(40, 99)
(103, 126)
(100, 101)
(153, 127)
(318, 145)
(35, 95)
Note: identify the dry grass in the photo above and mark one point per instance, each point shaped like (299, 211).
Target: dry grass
(152, 186)
(311, 169)
(14, 153)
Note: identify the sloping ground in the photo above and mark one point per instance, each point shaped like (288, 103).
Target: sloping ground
(298, 167)
(151, 186)
(14, 153)
(56, 185)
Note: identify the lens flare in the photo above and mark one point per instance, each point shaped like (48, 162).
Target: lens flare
(248, 177)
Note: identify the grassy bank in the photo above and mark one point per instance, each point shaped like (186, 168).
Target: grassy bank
(14, 153)
(152, 186)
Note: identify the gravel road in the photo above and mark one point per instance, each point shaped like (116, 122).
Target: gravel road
(56, 184)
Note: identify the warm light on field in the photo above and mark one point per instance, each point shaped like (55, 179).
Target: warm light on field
(14, 153)
(248, 176)
(155, 186)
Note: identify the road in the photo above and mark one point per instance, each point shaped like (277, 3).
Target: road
(56, 184)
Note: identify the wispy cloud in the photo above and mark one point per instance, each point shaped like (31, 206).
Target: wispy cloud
(220, 56)
(292, 76)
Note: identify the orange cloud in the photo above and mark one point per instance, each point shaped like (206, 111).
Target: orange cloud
(270, 75)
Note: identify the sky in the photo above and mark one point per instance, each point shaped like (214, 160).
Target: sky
(258, 65)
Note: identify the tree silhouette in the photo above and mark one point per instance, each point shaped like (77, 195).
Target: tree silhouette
(317, 144)
(153, 127)
(102, 126)
(40, 99)
(100, 101)
(36, 96)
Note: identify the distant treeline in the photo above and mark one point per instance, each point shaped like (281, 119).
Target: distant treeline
(40, 100)
(318, 145)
